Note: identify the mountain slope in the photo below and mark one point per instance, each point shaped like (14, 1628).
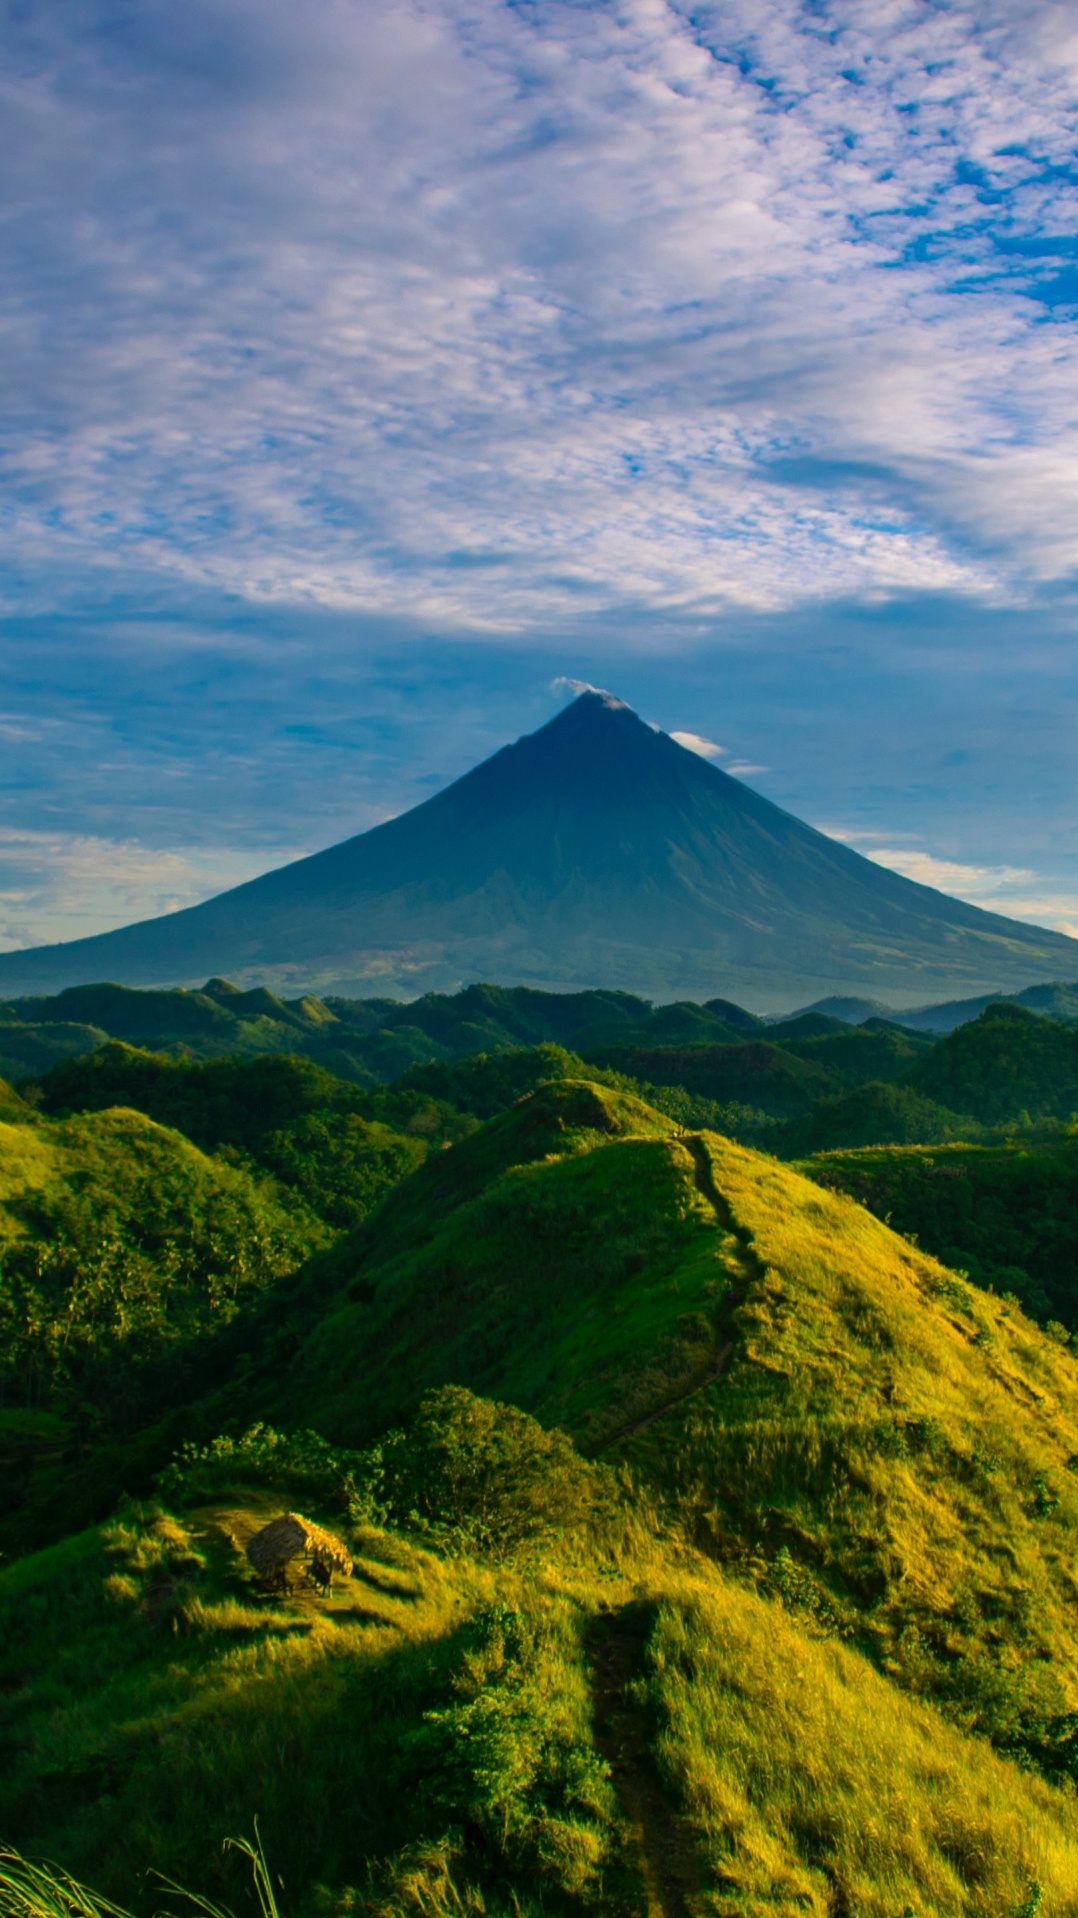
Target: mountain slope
(593, 852)
(599, 1738)
(832, 1570)
(803, 1386)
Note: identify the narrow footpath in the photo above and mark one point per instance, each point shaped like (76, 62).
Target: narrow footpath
(661, 1848)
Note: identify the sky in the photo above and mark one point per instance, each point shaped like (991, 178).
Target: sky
(372, 373)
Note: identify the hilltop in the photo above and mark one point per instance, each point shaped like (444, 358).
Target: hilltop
(594, 852)
(711, 1554)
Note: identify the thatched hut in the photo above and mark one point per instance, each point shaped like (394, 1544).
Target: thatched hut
(291, 1537)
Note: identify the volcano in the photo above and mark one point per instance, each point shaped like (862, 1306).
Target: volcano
(594, 852)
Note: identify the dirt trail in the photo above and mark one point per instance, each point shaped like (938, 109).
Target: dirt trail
(714, 1371)
(704, 1179)
(749, 1270)
(660, 1841)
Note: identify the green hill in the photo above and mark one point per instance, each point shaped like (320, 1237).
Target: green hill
(126, 1256)
(791, 1630)
(876, 1051)
(766, 1078)
(756, 1344)
(631, 1731)
(1006, 1215)
(1007, 1063)
(367, 1041)
(875, 1115)
(317, 1134)
(28, 1048)
(712, 1543)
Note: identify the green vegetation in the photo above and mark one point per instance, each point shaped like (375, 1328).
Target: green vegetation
(876, 1115)
(121, 1246)
(1005, 1216)
(279, 1112)
(1009, 1063)
(711, 1517)
(367, 1041)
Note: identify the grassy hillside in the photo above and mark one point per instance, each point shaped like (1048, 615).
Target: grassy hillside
(793, 1376)
(314, 1132)
(120, 1240)
(746, 1585)
(611, 1724)
(1006, 1215)
(515, 1264)
(125, 1255)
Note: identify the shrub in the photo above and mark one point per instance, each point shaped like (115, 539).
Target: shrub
(485, 1471)
(299, 1461)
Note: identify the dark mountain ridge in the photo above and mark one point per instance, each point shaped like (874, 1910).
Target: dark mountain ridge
(594, 852)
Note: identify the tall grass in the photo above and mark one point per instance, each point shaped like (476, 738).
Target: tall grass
(34, 1890)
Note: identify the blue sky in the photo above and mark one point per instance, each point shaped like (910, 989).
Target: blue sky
(368, 370)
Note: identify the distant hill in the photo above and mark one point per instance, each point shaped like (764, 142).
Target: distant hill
(594, 852)
(1007, 1217)
(1055, 1000)
(365, 1040)
(1005, 1063)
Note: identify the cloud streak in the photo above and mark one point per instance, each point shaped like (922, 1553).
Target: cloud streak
(490, 315)
(1011, 890)
(56, 886)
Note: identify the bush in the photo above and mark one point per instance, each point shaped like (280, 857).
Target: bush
(484, 1471)
(512, 1757)
(298, 1461)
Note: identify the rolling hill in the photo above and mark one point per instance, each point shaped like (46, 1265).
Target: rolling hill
(789, 1629)
(594, 852)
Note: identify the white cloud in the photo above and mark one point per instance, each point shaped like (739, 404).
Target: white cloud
(1012, 890)
(696, 743)
(744, 768)
(949, 875)
(493, 315)
(57, 886)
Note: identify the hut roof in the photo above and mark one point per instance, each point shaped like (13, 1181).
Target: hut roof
(293, 1536)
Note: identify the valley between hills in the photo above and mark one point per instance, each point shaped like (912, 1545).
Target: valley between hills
(688, 1406)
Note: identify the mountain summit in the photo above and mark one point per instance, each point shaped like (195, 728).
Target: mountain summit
(595, 852)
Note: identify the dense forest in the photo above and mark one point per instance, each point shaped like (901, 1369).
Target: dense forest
(690, 1405)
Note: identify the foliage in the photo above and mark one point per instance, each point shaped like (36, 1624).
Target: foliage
(338, 1148)
(764, 1078)
(560, 1258)
(490, 1083)
(366, 1041)
(294, 1462)
(797, 1636)
(1006, 1215)
(512, 1754)
(486, 1473)
(875, 1114)
(1006, 1064)
(877, 1053)
(122, 1248)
